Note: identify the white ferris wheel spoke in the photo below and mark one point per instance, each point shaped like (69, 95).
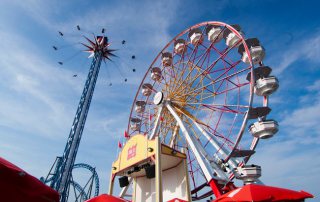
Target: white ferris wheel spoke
(213, 141)
(156, 124)
(198, 151)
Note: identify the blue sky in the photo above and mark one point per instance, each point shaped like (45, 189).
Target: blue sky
(39, 97)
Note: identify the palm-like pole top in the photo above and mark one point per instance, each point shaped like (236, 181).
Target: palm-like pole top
(100, 44)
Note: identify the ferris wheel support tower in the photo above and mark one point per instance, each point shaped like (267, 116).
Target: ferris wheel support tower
(99, 49)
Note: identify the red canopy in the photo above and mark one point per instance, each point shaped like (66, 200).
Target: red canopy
(254, 192)
(176, 200)
(16, 185)
(106, 198)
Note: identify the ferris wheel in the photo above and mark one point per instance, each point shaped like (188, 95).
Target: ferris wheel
(200, 94)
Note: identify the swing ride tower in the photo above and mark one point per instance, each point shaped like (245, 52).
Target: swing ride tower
(61, 176)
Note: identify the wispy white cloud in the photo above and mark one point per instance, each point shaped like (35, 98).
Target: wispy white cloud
(305, 49)
(39, 99)
(146, 23)
(315, 87)
(289, 164)
(32, 88)
(304, 119)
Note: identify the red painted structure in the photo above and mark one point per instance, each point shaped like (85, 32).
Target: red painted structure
(16, 185)
(177, 200)
(254, 192)
(106, 198)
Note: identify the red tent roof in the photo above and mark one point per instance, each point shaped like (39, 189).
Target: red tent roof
(16, 185)
(106, 198)
(176, 200)
(254, 192)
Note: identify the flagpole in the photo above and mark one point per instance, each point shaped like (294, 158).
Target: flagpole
(149, 123)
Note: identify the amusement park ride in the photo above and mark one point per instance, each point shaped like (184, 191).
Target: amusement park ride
(187, 137)
(60, 176)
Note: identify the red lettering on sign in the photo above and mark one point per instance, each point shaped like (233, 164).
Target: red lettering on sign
(132, 152)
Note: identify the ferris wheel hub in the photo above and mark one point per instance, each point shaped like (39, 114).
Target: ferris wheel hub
(158, 98)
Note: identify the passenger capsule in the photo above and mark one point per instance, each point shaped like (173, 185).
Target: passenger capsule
(135, 124)
(180, 46)
(257, 52)
(166, 59)
(195, 36)
(156, 74)
(264, 129)
(214, 33)
(257, 55)
(248, 173)
(266, 86)
(231, 38)
(146, 89)
(140, 106)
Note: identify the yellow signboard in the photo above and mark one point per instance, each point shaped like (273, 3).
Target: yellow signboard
(137, 149)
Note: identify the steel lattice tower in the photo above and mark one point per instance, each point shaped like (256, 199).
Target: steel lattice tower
(60, 180)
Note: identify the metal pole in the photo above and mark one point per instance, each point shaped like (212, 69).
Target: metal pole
(124, 190)
(158, 180)
(111, 183)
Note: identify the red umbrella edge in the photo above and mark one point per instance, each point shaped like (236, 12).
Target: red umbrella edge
(17, 185)
(260, 193)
